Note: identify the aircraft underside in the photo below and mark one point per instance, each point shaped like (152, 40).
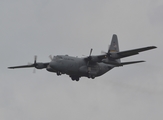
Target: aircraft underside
(91, 72)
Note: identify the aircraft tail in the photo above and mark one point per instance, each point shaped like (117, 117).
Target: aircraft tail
(114, 47)
(114, 55)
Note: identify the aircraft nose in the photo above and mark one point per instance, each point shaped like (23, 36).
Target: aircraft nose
(52, 65)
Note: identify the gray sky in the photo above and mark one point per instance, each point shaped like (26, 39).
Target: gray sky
(44, 27)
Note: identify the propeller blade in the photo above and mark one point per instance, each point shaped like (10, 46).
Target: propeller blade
(90, 52)
(34, 70)
(103, 52)
(30, 63)
(50, 56)
(35, 59)
(89, 57)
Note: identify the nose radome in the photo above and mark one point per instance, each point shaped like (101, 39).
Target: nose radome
(52, 65)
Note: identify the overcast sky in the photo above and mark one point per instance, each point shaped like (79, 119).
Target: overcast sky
(52, 27)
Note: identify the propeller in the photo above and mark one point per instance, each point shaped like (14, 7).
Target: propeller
(106, 53)
(90, 52)
(50, 56)
(33, 64)
(89, 57)
(34, 70)
(103, 52)
(35, 59)
(36, 65)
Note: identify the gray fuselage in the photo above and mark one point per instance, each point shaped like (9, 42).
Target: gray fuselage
(74, 66)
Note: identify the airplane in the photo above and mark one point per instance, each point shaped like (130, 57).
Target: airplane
(90, 66)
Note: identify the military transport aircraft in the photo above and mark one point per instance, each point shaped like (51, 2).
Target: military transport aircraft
(90, 66)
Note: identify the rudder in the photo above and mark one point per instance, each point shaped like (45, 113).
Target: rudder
(114, 47)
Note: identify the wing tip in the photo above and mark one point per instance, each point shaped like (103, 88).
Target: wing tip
(10, 68)
(142, 61)
(152, 47)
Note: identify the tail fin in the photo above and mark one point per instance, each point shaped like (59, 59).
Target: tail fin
(114, 47)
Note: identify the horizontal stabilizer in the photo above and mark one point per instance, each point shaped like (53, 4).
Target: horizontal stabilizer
(132, 62)
(123, 63)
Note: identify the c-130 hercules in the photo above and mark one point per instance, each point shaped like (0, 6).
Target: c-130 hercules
(91, 66)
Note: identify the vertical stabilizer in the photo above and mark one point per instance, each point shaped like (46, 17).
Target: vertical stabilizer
(114, 47)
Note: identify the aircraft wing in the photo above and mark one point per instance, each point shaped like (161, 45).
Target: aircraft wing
(22, 66)
(39, 65)
(133, 52)
(118, 55)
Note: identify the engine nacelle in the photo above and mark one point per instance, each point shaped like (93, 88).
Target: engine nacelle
(40, 66)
